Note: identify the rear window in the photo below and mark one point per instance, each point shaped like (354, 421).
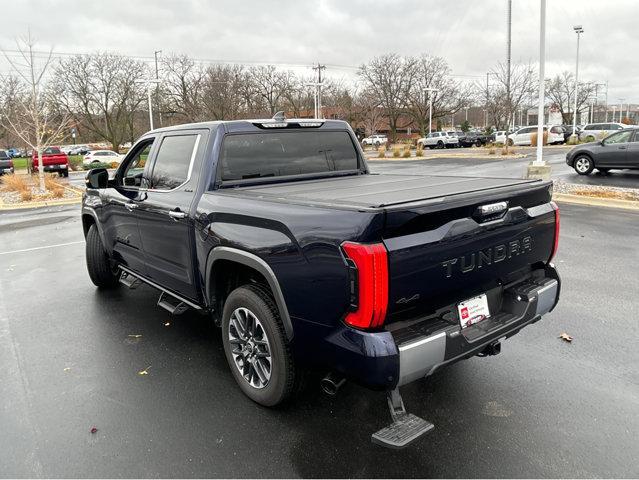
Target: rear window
(279, 154)
(51, 151)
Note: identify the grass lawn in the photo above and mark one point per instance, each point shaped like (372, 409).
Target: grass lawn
(21, 163)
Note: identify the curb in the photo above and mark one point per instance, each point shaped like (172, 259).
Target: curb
(439, 157)
(596, 202)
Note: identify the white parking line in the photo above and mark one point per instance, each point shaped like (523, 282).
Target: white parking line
(41, 248)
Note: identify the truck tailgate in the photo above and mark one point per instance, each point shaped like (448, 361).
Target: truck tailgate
(439, 257)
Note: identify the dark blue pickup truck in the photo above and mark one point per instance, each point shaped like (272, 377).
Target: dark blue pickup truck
(277, 231)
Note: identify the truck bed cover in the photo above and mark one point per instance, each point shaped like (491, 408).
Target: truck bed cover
(374, 191)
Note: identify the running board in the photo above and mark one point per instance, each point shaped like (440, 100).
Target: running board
(171, 304)
(168, 300)
(406, 427)
(129, 280)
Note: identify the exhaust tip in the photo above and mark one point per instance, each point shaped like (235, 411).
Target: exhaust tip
(330, 384)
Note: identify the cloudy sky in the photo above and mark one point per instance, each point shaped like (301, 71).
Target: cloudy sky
(471, 35)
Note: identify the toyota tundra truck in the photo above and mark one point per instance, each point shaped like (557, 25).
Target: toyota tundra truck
(278, 232)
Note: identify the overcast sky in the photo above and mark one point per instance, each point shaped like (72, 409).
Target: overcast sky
(470, 35)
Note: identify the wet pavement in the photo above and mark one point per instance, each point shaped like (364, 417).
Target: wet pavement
(71, 357)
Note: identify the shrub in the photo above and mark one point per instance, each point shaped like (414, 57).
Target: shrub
(396, 152)
(381, 152)
(406, 152)
(26, 195)
(492, 151)
(504, 151)
(420, 151)
(75, 162)
(57, 192)
(533, 139)
(14, 183)
(91, 166)
(51, 182)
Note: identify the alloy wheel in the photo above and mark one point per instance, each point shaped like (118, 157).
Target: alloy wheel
(582, 164)
(250, 347)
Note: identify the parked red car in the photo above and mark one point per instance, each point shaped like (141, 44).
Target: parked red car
(53, 160)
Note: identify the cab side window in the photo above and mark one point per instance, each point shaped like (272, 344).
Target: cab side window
(173, 161)
(133, 173)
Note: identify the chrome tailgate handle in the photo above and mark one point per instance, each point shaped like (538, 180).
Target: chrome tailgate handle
(130, 206)
(175, 215)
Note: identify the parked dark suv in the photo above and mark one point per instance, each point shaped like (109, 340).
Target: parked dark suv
(617, 151)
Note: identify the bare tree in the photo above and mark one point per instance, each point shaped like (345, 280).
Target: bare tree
(267, 85)
(101, 93)
(370, 110)
(390, 77)
(181, 88)
(561, 92)
(29, 109)
(222, 92)
(449, 97)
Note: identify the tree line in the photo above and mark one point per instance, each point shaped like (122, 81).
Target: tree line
(103, 95)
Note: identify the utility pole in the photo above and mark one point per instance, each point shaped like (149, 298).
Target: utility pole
(578, 30)
(157, 86)
(319, 69)
(620, 109)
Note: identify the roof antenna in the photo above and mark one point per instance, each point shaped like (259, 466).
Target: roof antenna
(279, 117)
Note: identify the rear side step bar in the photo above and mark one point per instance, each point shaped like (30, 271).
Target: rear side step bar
(167, 298)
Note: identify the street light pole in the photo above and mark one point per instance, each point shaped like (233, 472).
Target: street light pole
(620, 109)
(157, 86)
(539, 161)
(148, 83)
(430, 107)
(578, 30)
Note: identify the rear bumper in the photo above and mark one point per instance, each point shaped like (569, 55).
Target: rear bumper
(53, 168)
(525, 304)
(385, 360)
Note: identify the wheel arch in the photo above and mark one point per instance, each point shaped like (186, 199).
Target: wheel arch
(90, 217)
(220, 259)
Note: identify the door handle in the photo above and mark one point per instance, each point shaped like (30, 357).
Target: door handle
(176, 215)
(130, 206)
(623, 147)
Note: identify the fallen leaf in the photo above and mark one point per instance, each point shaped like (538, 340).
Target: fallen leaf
(145, 371)
(565, 337)
(135, 336)
(93, 430)
(66, 369)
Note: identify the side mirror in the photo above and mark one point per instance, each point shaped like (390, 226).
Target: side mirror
(97, 178)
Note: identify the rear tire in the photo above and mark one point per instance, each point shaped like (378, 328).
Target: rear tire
(98, 263)
(261, 331)
(440, 144)
(583, 165)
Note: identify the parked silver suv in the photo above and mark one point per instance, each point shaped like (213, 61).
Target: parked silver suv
(439, 140)
(597, 131)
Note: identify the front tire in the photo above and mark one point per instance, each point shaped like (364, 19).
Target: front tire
(102, 274)
(583, 165)
(255, 346)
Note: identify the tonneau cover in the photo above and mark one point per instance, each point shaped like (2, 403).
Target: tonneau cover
(374, 190)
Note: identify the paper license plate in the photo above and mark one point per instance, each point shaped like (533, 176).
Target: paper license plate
(473, 311)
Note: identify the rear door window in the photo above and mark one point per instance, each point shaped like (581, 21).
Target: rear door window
(282, 153)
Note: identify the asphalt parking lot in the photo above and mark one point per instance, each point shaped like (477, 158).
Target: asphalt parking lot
(71, 357)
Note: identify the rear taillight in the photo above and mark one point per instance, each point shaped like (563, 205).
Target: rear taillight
(556, 241)
(369, 284)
